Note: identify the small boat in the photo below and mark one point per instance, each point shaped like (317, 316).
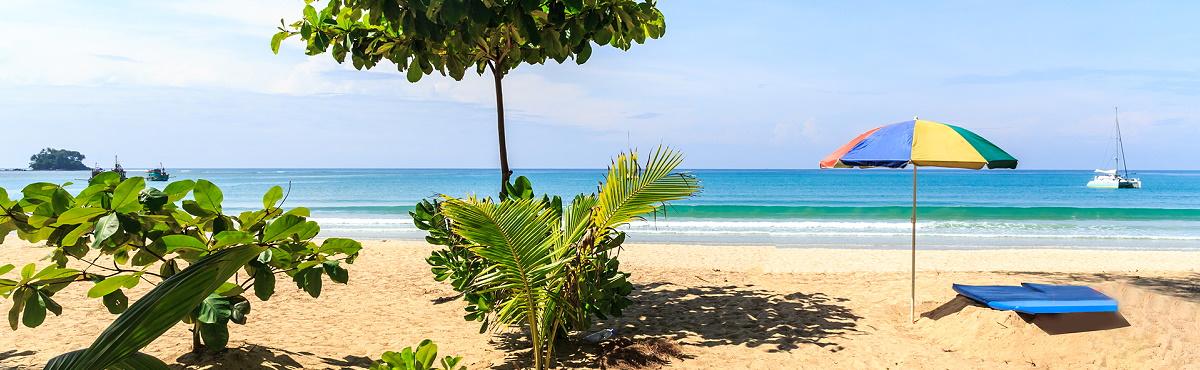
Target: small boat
(158, 174)
(116, 168)
(1111, 179)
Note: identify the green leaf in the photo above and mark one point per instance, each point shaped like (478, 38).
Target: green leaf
(336, 272)
(19, 299)
(309, 280)
(52, 272)
(229, 290)
(334, 246)
(72, 237)
(193, 208)
(585, 52)
(272, 197)
(35, 310)
(238, 310)
(310, 14)
(125, 197)
(299, 211)
(283, 227)
(169, 268)
(153, 200)
(116, 302)
(135, 361)
(176, 242)
(176, 191)
(264, 282)
(426, 353)
(278, 39)
(105, 228)
(160, 309)
(208, 196)
(215, 336)
(107, 178)
(213, 309)
(6, 268)
(414, 71)
(232, 237)
(27, 273)
(79, 215)
(5, 228)
(111, 284)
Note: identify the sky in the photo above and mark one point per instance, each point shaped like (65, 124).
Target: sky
(749, 84)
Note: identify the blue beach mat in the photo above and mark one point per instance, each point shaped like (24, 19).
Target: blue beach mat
(1039, 298)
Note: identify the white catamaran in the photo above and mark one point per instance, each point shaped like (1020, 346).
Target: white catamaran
(1110, 179)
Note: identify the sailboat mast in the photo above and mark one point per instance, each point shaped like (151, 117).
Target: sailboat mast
(1120, 144)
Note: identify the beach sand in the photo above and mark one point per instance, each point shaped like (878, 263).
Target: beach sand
(708, 307)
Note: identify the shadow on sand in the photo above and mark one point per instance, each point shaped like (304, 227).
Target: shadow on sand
(665, 315)
(1186, 287)
(252, 356)
(4, 355)
(1052, 324)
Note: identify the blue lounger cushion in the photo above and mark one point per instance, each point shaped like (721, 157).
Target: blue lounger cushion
(1039, 298)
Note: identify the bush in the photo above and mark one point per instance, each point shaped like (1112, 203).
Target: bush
(149, 235)
(420, 359)
(533, 262)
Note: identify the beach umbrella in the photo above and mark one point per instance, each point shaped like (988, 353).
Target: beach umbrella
(918, 143)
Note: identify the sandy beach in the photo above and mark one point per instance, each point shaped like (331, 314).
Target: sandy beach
(701, 307)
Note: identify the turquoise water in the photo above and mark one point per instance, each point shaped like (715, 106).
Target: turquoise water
(826, 208)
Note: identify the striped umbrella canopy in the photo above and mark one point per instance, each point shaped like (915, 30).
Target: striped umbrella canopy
(920, 143)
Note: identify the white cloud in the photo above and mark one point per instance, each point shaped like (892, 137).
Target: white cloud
(223, 44)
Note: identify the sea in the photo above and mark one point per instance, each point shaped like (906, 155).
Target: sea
(842, 208)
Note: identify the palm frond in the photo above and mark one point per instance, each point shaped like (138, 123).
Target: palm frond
(158, 310)
(631, 190)
(518, 236)
(577, 218)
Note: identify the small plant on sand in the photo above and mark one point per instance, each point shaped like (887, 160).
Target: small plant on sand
(121, 234)
(532, 262)
(422, 358)
(452, 37)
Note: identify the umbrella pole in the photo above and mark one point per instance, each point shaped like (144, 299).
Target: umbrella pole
(912, 308)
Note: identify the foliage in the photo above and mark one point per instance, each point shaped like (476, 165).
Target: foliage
(453, 36)
(50, 159)
(148, 235)
(420, 359)
(157, 312)
(450, 36)
(546, 267)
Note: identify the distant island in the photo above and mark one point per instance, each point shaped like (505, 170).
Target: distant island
(51, 159)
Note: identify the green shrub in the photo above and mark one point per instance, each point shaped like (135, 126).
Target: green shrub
(125, 234)
(422, 358)
(533, 262)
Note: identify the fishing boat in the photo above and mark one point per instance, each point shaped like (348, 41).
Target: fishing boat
(96, 171)
(158, 174)
(1111, 179)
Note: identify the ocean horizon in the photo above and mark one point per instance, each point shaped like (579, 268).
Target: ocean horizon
(847, 208)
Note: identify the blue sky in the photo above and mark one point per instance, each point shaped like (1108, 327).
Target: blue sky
(752, 84)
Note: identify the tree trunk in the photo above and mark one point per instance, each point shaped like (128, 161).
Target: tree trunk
(505, 172)
(196, 344)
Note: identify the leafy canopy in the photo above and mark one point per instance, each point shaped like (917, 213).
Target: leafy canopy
(50, 159)
(452, 36)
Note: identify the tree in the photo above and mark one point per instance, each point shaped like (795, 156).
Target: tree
(50, 159)
(452, 36)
